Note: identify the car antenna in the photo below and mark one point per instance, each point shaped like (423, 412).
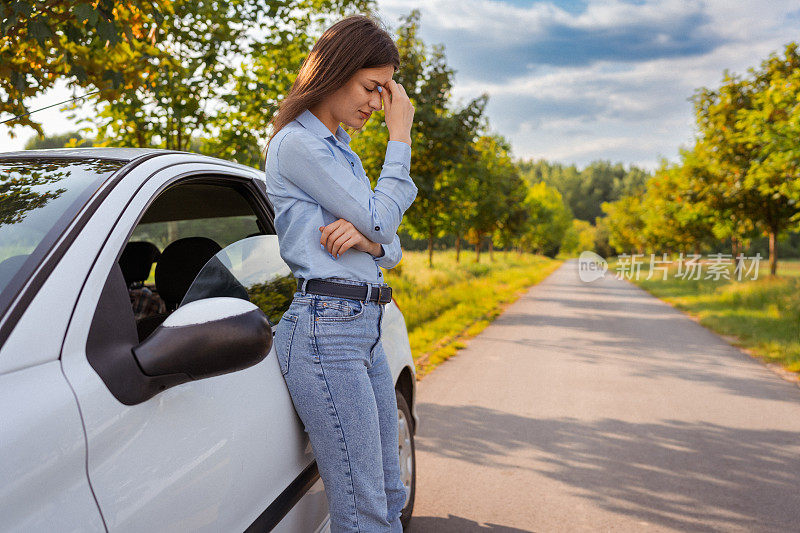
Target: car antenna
(48, 107)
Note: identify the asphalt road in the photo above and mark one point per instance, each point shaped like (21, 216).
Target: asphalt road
(596, 407)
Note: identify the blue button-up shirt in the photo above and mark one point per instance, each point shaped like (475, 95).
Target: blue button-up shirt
(314, 178)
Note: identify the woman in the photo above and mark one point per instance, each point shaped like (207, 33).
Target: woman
(335, 233)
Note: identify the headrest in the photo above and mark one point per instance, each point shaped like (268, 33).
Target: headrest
(137, 260)
(179, 264)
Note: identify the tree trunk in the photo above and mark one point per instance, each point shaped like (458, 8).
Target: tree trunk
(491, 250)
(430, 250)
(458, 247)
(773, 252)
(478, 249)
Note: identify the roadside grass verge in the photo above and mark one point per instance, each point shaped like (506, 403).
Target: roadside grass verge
(789, 267)
(760, 315)
(445, 305)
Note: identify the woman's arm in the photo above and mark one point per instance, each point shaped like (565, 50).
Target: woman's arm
(341, 235)
(306, 161)
(375, 249)
(392, 254)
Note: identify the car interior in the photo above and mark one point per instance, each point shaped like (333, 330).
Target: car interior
(177, 235)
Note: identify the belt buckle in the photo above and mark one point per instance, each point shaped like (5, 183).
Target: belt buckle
(381, 289)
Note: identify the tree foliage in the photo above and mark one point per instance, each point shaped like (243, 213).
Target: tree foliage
(747, 139)
(625, 223)
(61, 140)
(102, 45)
(442, 135)
(225, 68)
(586, 189)
(674, 217)
(549, 221)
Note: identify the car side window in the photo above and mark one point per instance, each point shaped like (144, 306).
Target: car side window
(207, 226)
(250, 269)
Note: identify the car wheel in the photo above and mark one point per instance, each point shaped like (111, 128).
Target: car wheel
(408, 462)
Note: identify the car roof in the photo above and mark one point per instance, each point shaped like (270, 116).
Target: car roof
(118, 154)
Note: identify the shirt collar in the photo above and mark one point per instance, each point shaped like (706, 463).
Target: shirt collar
(310, 122)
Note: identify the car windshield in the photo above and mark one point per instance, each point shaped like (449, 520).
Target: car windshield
(38, 199)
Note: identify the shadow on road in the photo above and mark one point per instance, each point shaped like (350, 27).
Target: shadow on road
(457, 524)
(598, 324)
(674, 473)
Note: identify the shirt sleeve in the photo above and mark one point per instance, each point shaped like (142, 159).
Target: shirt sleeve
(392, 253)
(307, 162)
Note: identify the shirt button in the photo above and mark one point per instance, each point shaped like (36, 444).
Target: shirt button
(377, 228)
(380, 274)
(352, 164)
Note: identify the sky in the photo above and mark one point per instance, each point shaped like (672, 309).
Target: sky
(577, 80)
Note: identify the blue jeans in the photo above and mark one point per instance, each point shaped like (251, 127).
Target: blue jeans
(334, 365)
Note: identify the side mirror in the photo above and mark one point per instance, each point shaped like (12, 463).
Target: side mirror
(206, 338)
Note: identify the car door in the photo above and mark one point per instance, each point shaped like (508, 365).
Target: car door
(219, 454)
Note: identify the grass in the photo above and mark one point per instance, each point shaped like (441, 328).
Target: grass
(761, 315)
(789, 267)
(445, 305)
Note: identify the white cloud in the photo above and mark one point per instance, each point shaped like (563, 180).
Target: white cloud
(623, 106)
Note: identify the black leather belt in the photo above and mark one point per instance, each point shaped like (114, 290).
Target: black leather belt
(380, 294)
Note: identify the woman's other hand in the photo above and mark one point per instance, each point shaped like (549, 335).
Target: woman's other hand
(398, 112)
(340, 235)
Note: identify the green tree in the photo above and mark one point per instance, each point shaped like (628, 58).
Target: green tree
(267, 73)
(462, 184)
(99, 45)
(203, 41)
(495, 174)
(625, 224)
(674, 218)
(772, 124)
(578, 238)
(550, 219)
(602, 236)
(745, 137)
(227, 66)
(513, 215)
(585, 190)
(61, 140)
(441, 135)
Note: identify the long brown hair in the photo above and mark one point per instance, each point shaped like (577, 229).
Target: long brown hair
(353, 43)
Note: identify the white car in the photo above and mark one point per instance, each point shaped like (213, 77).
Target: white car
(139, 389)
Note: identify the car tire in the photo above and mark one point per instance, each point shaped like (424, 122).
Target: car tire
(408, 461)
